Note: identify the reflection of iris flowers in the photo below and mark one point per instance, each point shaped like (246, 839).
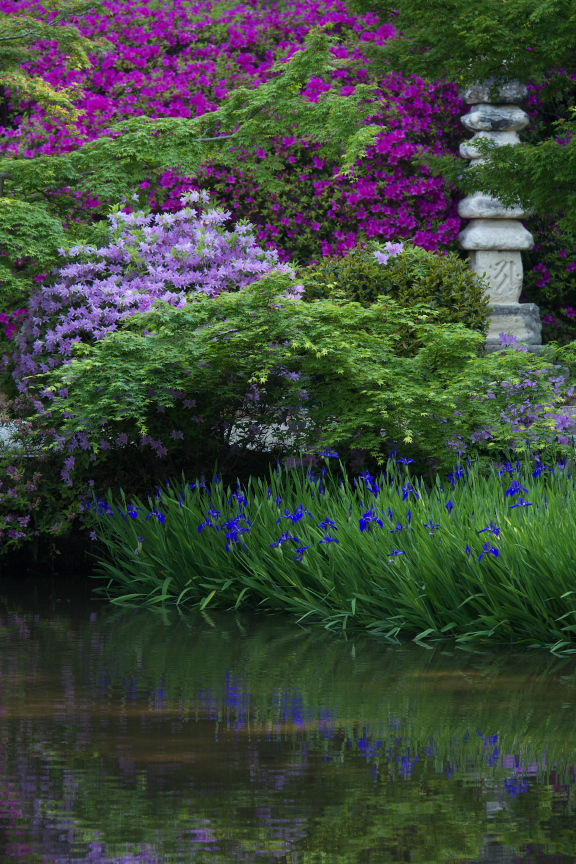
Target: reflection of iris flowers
(516, 786)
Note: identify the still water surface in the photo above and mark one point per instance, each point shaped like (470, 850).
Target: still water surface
(132, 737)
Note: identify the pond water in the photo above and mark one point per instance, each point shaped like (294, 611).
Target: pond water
(135, 736)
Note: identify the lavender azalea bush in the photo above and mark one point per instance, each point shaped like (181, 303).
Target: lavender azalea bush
(149, 257)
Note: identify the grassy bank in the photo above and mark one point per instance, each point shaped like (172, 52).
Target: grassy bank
(487, 554)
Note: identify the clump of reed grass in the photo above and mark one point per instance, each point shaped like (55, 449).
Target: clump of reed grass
(486, 554)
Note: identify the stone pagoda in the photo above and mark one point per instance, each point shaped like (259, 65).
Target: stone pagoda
(495, 237)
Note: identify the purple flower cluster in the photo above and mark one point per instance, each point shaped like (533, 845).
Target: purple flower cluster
(182, 59)
(149, 257)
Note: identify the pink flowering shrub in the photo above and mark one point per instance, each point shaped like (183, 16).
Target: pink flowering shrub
(182, 59)
(149, 257)
(11, 321)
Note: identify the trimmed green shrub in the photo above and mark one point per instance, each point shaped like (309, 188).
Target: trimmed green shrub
(415, 276)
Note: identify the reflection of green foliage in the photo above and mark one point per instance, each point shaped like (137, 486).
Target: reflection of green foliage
(187, 795)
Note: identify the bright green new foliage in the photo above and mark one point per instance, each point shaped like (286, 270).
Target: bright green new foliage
(259, 370)
(444, 283)
(19, 38)
(483, 555)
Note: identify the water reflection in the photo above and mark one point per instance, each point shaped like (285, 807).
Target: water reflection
(145, 737)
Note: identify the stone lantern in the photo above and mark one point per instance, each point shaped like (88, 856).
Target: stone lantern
(495, 237)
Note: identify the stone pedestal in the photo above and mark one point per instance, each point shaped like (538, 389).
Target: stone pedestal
(502, 270)
(494, 237)
(517, 319)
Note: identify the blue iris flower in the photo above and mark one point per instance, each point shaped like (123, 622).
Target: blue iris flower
(298, 514)
(456, 475)
(300, 553)
(400, 527)
(450, 506)
(489, 550)
(284, 539)
(370, 482)
(433, 526)
(329, 539)
(514, 489)
(203, 486)
(509, 468)
(369, 517)
(239, 497)
(396, 552)
(159, 515)
(540, 468)
(406, 490)
(234, 530)
(468, 551)
(208, 523)
(328, 453)
(520, 502)
(404, 461)
(492, 528)
(328, 523)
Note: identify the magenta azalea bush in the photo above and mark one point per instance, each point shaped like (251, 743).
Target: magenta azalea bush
(149, 257)
(182, 59)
